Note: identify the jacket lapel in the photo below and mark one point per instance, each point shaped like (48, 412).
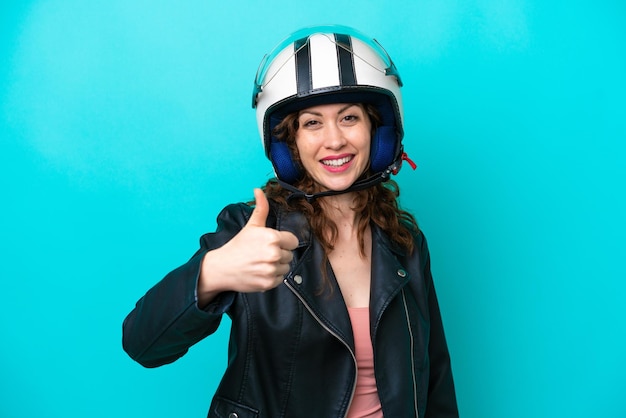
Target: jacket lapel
(389, 276)
(305, 279)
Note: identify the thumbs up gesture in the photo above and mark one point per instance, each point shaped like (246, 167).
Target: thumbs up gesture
(254, 260)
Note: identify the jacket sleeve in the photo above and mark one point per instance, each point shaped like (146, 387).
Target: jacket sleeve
(441, 392)
(166, 321)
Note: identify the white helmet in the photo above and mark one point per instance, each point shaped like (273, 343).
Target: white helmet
(328, 64)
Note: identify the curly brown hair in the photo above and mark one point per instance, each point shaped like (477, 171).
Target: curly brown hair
(377, 204)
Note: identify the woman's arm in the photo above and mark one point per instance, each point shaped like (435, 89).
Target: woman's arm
(243, 255)
(168, 320)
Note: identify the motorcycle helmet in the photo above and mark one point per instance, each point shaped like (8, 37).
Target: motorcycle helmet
(329, 64)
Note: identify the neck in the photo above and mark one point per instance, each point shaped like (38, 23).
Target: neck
(340, 208)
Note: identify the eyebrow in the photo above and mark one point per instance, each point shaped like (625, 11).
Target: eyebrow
(343, 109)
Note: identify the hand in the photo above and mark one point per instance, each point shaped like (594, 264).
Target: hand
(254, 260)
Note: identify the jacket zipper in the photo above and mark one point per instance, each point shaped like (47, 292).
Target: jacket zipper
(356, 368)
(408, 323)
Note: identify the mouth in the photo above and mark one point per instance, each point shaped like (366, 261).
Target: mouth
(337, 162)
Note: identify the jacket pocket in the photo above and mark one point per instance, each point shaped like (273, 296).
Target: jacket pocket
(224, 408)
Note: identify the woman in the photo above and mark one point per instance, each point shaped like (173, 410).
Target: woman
(327, 282)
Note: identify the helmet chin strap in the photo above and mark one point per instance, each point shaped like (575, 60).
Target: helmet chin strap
(356, 186)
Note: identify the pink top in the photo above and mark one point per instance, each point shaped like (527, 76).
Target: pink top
(365, 403)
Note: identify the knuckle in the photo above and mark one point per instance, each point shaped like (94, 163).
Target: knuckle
(274, 254)
(269, 270)
(268, 284)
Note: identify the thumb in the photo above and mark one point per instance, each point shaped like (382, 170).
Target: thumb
(262, 208)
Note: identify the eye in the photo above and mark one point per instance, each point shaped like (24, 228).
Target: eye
(310, 123)
(350, 118)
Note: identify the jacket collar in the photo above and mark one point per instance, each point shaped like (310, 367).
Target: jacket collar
(294, 222)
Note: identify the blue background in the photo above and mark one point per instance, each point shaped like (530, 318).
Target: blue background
(126, 126)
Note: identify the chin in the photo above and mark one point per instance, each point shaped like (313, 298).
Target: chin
(337, 187)
(336, 184)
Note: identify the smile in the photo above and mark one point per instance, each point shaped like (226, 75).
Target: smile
(337, 162)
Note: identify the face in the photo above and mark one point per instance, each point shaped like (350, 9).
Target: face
(333, 141)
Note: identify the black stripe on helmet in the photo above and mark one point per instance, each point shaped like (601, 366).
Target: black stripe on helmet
(345, 59)
(304, 82)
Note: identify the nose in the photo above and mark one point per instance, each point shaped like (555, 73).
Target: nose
(334, 138)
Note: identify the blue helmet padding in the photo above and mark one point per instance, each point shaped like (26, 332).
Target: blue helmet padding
(385, 144)
(283, 163)
(383, 148)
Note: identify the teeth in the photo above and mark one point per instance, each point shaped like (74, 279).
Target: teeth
(336, 163)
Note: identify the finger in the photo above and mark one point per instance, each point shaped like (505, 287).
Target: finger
(282, 269)
(288, 241)
(259, 214)
(285, 257)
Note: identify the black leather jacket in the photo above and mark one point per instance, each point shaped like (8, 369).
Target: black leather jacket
(291, 351)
